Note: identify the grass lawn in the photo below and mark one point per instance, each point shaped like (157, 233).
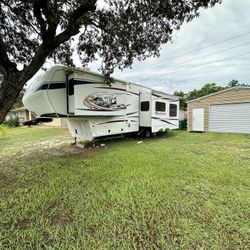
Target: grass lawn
(184, 191)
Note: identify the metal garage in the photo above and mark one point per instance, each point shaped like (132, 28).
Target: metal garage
(226, 111)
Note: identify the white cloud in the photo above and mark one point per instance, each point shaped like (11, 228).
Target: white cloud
(178, 69)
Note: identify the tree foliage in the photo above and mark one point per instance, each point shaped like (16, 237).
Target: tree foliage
(182, 99)
(207, 89)
(117, 31)
(235, 83)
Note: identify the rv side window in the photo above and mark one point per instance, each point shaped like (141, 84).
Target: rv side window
(172, 110)
(145, 106)
(160, 106)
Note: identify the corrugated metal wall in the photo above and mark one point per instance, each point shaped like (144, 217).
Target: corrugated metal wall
(232, 118)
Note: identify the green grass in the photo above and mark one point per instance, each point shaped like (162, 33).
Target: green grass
(184, 191)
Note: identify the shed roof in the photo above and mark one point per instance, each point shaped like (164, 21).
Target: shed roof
(219, 92)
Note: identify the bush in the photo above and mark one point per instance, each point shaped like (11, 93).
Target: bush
(12, 122)
(183, 124)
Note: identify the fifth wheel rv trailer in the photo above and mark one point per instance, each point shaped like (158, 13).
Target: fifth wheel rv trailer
(95, 108)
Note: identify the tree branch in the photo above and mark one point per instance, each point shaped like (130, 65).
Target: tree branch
(41, 21)
(74, 23)
(23, 18)
(47, 47)
(5, 63)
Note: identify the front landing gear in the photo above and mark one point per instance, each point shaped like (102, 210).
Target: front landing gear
(145, 132)
(148, 133)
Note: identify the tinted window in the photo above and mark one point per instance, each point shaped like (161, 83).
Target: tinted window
(73, 82)
(160, 106)
(145, 106)
(58, 85)
(55, 85)
(172, 110)
(44, 86)
(71, 87)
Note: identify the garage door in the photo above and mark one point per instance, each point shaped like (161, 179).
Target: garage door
(231, 118)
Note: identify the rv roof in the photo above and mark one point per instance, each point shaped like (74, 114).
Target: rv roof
(126, 82)
(89, 71)
(162, 94)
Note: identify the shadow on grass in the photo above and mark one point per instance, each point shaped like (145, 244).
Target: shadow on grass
(133, 137)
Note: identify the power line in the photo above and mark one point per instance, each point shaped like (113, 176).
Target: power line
(209, 46)
(222, 35)
(212, 62)
(233, 76)
(214, 53)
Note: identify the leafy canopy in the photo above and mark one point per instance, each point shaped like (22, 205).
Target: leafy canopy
(118, 31)
(208, 88)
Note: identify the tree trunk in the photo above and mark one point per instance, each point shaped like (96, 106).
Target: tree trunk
(14, 80)
(9, 91)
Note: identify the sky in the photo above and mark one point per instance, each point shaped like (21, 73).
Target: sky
(215, 47)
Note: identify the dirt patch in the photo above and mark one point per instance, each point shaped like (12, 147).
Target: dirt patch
(23, 224)
(61, 221)
(246, 158)
(75, 150)
(5, 180)
(198, 152)
(2, 177)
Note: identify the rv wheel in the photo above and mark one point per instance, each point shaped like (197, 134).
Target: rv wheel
(147, 133)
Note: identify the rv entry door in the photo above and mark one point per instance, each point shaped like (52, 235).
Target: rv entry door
(145, 109)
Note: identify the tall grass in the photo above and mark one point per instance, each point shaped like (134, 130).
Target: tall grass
(3, 130)
(185, 191)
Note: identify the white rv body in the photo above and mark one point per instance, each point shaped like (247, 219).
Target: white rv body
(94, 108)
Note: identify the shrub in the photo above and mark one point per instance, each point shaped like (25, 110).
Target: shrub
(12, 122)
(183, 124)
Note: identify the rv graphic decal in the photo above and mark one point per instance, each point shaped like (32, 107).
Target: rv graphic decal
(103, 101)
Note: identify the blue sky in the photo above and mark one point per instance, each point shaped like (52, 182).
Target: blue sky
(211, 48)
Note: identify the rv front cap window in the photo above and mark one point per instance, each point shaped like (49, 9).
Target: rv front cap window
(145, 106)
(172, 110)
(42, 87)
(160, 106)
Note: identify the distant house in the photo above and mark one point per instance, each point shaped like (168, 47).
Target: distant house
(224, 111)
(22, 113)
(25, 115)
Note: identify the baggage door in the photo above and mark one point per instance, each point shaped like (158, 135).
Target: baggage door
(145, 109)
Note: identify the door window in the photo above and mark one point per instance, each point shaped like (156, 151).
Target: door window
(145, 106)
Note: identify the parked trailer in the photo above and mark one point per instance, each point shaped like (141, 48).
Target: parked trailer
(95, 108)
